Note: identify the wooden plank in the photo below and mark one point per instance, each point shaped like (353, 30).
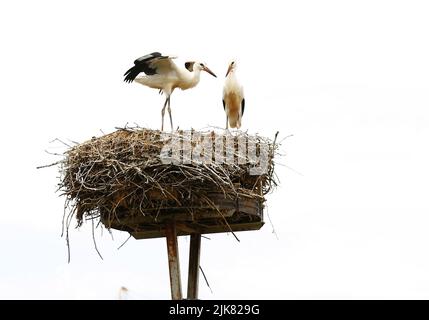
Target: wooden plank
(139, 221)
(204, 230)
(194, 266)
(188, 228)
(148, 234)
(235, 227)
(162, 217)
(173, 261)
(228, 207)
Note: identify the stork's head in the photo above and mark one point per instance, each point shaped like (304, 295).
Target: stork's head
(231, 68)
(194, 66)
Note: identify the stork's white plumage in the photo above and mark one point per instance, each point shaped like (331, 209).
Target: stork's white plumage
(233, 98)
(160, 72)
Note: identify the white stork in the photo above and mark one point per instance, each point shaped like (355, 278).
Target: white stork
(233, 98)
(160, 72)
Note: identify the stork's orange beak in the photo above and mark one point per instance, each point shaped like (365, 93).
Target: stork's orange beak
(209, 71)
(229, 70)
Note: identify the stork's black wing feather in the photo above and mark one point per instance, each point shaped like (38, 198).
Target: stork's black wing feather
(147, 57)
(142, 64)
(132, 73)
(242, 106)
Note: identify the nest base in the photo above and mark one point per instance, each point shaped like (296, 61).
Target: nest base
(242, 214)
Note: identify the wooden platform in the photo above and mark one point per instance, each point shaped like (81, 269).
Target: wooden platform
(241, 214)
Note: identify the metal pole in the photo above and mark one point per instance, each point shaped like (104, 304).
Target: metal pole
(194, 265)
(173, 261)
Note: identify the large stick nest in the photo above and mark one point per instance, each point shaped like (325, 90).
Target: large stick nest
(123, 173)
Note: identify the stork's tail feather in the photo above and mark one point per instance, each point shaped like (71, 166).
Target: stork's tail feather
(131, 74)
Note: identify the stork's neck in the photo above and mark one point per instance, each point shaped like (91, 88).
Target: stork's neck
(191, 79)
(231, 77)
(196, 76)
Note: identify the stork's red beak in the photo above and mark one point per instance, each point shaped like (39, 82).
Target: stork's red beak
(209, 71)
(229, 70)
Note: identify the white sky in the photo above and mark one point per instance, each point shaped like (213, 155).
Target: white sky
(349, 79)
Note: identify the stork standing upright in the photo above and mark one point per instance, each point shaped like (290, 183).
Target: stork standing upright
(233, 98)
(160, 72)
